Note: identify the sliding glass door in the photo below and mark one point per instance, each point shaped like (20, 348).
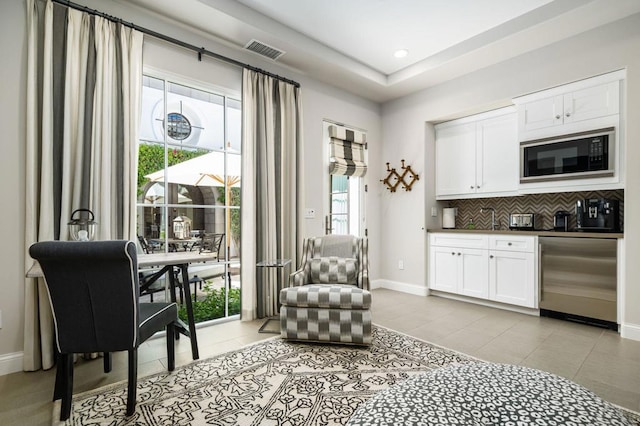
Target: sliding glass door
(189, 159)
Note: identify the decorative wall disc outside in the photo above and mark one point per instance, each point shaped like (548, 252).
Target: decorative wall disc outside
(393, 179)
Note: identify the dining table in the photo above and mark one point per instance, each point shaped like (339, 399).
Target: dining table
(165, 262)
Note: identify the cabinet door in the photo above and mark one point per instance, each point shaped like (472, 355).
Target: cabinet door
(456, 159)
(443, 269)
(541, 113)
(498, 154)
(474, 277)
(593, 102)
(511, 278)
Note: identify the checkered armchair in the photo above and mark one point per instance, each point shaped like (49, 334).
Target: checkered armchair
(328, 298)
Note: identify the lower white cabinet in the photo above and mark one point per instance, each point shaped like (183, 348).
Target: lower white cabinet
(501, 268)
(460, 270)
(511, 278)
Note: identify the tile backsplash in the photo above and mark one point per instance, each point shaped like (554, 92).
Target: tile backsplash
(545, 205)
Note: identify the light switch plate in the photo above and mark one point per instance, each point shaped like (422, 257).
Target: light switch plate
(309, 213)
(434, 211)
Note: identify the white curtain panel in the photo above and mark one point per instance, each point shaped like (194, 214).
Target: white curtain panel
(272, 198)
(84, 88)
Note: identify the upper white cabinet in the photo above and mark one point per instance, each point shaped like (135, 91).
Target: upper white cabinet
(585, 104)
(456, 159)
(579, 106)
(477, 156)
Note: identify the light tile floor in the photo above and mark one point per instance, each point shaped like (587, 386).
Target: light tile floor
(596, 358)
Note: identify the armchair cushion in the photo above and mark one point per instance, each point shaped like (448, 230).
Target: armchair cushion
(342, 296)
(334, 270)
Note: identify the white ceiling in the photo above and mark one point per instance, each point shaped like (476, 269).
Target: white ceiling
(370, 31)
(350, 43)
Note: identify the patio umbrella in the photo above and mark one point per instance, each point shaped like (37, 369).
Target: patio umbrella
(155, 195)
(205, 170)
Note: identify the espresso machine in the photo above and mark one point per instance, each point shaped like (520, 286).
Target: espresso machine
(597, 214)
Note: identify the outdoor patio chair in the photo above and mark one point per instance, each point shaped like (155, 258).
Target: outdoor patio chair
(211, 243)
(148, 247)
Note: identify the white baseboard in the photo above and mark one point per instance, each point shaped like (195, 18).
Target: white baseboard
(248, 315)
(418, 290)
(630, 331)
(484, 302)
(10, 363)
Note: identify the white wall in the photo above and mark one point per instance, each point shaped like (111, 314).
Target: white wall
(319, 101)
(407, 134)
(12, 112)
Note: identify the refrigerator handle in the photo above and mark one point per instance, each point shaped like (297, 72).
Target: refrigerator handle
(540, 280)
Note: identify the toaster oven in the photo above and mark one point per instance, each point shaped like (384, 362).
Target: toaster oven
(523, 221)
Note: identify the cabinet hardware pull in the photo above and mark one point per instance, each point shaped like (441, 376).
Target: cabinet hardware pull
(458, 254)
(568, 114)
(558, 117)
(509, 244)
(471, 187)
(478, 186)
(491, 257)
(453, 253)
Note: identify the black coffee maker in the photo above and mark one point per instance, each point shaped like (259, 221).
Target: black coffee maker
(561, 220)
(597, 214)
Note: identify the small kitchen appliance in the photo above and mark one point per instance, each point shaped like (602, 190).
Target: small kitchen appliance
(561, 220)
(449, 217)
(574, 156)
(597, 214)
(523, 221)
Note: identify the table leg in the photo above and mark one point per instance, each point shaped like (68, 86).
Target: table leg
(190, 329)
(186, 286)
(260, 291)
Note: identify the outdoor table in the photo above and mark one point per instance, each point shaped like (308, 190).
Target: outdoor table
(175, 243)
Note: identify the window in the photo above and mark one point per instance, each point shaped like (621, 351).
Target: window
(346, 182)
(189, 185)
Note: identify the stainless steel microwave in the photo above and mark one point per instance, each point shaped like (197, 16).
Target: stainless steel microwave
(574, 156)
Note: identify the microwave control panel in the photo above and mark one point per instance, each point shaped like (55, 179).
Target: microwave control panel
(596, 149)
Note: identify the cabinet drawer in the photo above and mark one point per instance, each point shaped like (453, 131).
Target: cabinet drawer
(478, 241)
(512, 243)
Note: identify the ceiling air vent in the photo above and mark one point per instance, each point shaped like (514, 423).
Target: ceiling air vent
(264, 49)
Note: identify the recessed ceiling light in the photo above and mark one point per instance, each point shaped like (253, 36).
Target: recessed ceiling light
(401, 53)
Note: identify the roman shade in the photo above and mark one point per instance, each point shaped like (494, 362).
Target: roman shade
(347, 152)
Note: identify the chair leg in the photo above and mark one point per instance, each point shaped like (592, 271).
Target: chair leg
(107, 362)
(133, 380)
(61, 375)
(66, 362)
(171, 346)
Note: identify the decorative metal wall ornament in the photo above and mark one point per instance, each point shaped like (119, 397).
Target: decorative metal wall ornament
(394, 178)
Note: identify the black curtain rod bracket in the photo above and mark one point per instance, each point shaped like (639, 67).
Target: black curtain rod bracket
(200, 50)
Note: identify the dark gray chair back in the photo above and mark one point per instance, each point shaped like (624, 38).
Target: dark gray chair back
(93, 287)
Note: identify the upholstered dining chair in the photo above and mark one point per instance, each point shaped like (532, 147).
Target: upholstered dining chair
(93, 291)
(328, 298)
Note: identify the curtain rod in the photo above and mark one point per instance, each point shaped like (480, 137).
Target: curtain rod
(199, 50)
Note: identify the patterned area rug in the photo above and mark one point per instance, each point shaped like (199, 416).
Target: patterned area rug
(272, 382)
